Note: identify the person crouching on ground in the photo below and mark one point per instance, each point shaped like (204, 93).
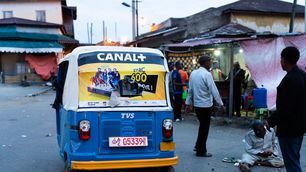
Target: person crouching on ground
(261, 148)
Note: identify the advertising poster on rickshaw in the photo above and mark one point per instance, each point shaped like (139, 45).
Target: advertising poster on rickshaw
(121, 79)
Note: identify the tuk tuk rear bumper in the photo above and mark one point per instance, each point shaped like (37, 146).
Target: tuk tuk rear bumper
(120, 164)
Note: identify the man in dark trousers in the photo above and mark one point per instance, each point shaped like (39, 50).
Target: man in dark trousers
(171, 67)
(202, 90)
(239, 77)
(177, 91)
(290, 114)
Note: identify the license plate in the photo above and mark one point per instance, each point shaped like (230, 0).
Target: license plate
(127, 141)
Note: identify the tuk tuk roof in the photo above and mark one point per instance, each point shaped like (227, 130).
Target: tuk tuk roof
(71, 87)
(87, 49)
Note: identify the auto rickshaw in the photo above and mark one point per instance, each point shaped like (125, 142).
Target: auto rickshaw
(113, 109)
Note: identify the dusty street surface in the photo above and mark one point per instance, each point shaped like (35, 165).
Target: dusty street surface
(28, 139)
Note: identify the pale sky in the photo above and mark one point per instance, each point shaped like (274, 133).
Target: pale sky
(112, 12)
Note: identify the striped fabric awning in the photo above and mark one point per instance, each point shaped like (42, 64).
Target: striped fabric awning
(16, 46)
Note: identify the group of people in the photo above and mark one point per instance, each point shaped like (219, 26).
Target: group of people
(179, 83)
(261, 143)
(240, 83)
(106, 78)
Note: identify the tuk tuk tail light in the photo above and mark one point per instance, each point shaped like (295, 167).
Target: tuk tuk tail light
(167, 129)
(84, 130)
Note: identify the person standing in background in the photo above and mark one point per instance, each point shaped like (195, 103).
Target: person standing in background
(216, 72)
(2, 77)
(290, 114)
(177, 91)
(171, 67)
(185, 79)
(239, 78)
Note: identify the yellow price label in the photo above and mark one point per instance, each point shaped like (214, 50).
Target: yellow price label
(139, 77)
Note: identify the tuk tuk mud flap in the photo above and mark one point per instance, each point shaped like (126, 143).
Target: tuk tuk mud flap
(123, 125)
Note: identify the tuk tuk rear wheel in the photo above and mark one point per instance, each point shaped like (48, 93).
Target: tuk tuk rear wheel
(167, 169)
(67, 169)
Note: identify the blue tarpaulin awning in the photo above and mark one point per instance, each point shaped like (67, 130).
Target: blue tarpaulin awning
(16, 40)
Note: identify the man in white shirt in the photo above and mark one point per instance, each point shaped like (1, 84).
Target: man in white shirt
(261, 148)
(202, 90)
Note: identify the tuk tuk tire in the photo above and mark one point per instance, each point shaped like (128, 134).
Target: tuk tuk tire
(67, 169)
(167, 169)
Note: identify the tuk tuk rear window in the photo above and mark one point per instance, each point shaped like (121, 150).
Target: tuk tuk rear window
(121, 79)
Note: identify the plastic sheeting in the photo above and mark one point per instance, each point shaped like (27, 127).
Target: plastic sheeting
(263, 60)
(45, 66)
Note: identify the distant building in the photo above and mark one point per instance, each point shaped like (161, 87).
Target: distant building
(271, 16)
(108, 43)
(50, 11)
(33, 36)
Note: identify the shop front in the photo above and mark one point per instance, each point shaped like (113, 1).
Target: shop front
(257, 56)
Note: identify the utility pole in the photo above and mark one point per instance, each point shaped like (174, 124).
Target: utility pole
(292, 17)
(116, 31)
(91, 33)
(136, 10)
(88, 35)
(106, 33)
(103, 31)
(133, 19)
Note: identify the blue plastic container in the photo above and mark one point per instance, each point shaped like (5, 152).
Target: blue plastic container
(260, 98)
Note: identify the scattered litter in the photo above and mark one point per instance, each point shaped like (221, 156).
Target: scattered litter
(236, 164)
(212, 169)
(7, 146)
(23, 136)
(48, 135)
(230, 160)
(49, 84)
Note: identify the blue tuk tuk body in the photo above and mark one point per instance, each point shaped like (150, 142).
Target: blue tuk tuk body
(130, 133)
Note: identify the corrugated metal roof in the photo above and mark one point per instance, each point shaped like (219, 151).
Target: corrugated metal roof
(165, 32)
(265, 6)
(201, 42)
(210, 41)
(233, 29)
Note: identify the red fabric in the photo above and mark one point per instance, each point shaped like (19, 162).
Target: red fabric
(184, 78)
(44, 66)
